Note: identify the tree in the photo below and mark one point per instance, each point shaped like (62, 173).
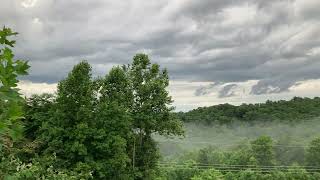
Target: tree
(113, 127)
(151, 112)
(262, 150)
(104, 126)
(90, 124)
(109, 144)
(151, 107)
(11, 111)
(116, 87)
(67, 133)
(313, 153)
(37, 110)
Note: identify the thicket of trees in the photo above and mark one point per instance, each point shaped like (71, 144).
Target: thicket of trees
(296, 110)
(91, 128)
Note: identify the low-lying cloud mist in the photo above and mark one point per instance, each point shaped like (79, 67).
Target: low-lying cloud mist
(293, 135)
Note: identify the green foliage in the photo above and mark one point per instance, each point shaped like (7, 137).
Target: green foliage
(187, 171)
(263, 151)
(295, 110)
(108, 148)
(67, 132)
(247, 161)
(10, 109)
(150, 112)
(313, 153)
(286, 153)
(103, 126)
(210, 174)
(113, 127)
(38, 109)
(116, 87)
(85, 129)
(12, 168)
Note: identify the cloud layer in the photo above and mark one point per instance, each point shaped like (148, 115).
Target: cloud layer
(274, 43)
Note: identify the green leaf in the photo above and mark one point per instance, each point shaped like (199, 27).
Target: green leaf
(8, 55)
(11, 112)
(21, 67)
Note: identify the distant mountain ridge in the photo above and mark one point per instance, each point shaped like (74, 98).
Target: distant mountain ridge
(295, 110)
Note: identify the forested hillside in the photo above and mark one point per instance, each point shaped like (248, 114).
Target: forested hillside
(295, 110)
(272, 140)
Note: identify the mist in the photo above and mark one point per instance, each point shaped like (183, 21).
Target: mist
(295, 135)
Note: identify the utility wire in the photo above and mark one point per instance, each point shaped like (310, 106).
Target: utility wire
(237, 170)
(227, 144)
(235, 165)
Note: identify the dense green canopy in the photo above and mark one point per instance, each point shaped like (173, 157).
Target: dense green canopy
(295, 110)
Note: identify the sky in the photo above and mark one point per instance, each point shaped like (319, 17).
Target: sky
(216, 51)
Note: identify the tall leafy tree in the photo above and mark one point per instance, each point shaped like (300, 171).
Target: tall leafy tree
(11, 111)
(91, 124)
(67, 132)
(113, 127)
(151, 112)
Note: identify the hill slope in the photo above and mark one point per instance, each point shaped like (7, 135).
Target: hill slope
(294, 110)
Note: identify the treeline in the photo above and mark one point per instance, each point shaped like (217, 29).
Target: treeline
(260, 159)
(92, 128)
(296, 110)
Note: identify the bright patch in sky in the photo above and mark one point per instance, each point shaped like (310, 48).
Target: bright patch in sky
(28, 3)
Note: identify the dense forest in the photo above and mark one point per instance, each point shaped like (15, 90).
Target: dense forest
(297, 109)
(122, 126)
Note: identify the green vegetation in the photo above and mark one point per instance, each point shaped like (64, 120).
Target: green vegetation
(258, 159)
(91, 128)
(10, 101)
(295, 110)
(111, 128)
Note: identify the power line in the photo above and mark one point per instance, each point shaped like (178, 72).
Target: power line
(240, 168)
(236, 170)
(228, 144)
(236, 165)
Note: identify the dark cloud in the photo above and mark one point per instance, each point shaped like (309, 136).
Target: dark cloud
(204, 90)
(227, 91)
(274, 42)
(268, 86)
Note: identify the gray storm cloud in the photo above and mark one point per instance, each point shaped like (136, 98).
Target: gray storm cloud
(274, 42)
(227, 91)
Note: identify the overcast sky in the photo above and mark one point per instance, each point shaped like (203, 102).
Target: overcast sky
(216, 51)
